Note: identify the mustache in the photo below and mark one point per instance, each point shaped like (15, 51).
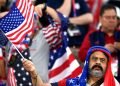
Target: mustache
(98, 67)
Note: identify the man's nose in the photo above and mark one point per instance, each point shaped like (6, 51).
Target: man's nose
(98, 61)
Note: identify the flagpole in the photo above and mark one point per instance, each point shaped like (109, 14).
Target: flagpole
(13, 45)
(17, 50)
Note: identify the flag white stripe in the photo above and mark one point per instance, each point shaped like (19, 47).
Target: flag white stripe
(27, 20)
(59, 61)
(62, 59)
(11, 78)
(22, 8)
(51, 29)
(66, 72)
(26, 28)
(54, 41)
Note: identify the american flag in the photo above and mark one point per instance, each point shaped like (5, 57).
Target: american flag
(16, 25)
(17, 75)
(62, 62)
(18, 22)
(3, 39)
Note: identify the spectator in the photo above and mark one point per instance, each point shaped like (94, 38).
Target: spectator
(107, 35)
(3, 72)
(96, 72)
(49, 38)
(39, 56)
(79, 18)
(116, 3)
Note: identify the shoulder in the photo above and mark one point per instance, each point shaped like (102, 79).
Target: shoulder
(95, 32)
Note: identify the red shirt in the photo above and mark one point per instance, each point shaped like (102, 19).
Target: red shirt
(86, 45)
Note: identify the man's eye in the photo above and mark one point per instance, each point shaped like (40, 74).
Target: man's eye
(102, 60)
(94, 58)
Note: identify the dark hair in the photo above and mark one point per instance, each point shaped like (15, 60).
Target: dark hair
(106, 7)
(5, 7)
(40, 2)
(44, 19)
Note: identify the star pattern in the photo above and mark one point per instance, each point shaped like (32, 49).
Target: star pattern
(22, 76)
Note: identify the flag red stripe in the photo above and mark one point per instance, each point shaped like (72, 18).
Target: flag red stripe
(52, 29)
(55, 41)
(27, 22)
(49, 27)
(26, 27)
(51, 35)
(21, 31)
(75, 73)
(56, 46)
(59, 69)
(11, 78)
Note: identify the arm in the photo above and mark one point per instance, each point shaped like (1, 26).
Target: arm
(82, 19)
(83, 14)
(36, 80)
(50, 11)
(65, 8)
(2, 66)
(3, 14)
(117, 45)
(111, 47)
(2, 69)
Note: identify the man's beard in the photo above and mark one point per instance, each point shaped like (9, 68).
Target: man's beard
(96, 73)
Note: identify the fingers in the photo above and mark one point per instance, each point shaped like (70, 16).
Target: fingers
(38, 10)
(28, 65)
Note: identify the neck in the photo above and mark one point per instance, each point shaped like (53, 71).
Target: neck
(92, 80)
(108, 32)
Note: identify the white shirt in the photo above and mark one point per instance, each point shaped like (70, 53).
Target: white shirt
(39, 51)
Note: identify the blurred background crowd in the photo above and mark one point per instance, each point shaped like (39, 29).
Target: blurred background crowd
(86, 24)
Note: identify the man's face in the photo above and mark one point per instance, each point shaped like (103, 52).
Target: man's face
(109, 20)
(97, 64)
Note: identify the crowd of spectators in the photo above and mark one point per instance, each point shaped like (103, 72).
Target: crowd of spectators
(88, 26)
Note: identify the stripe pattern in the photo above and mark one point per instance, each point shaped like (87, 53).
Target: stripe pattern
(62, 63)
(18, 23)
(11, 80)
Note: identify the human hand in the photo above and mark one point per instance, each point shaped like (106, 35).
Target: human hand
(3, 14)
(29, 66)
(111, 48)
(38, 9)
(117, 45)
